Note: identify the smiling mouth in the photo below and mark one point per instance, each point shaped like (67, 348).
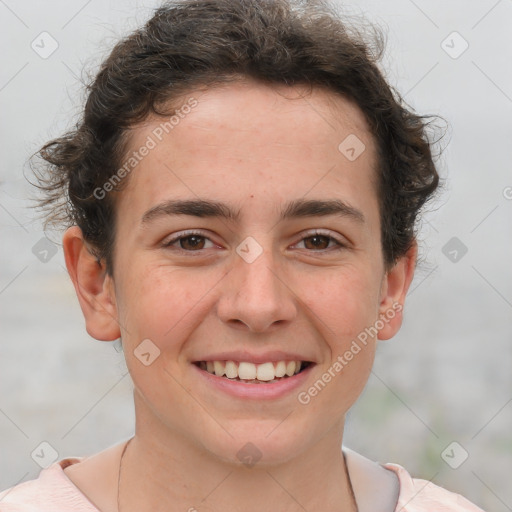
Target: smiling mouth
(250, 373)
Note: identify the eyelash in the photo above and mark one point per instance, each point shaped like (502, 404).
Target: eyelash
(168, 245)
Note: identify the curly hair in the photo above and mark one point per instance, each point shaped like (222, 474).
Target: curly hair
(191, 43)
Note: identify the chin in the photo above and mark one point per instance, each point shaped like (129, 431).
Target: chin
(256, 446)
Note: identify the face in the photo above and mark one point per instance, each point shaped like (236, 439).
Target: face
(288, 268)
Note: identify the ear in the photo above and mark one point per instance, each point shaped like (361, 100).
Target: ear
(394, 288)
(94, 288)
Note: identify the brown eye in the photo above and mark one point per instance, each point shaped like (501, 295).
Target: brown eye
(320, 242)
(317, 242)
(188, 242)
(192, 242)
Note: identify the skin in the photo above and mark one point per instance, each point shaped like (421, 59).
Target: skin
(255, 148)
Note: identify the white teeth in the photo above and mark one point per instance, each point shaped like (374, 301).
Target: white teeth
(281, 369)
(247, 371)
(231, 370)
(290, 368)
(218, 368)
(265, 372)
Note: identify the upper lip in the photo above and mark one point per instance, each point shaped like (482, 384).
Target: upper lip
(241, 355)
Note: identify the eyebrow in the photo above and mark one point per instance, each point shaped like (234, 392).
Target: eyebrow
(214, 209)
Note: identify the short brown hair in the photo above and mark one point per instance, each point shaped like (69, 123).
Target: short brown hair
(190, 43)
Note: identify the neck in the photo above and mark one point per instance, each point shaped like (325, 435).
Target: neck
(167, 472)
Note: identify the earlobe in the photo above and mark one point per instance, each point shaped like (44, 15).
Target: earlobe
(394, 289)
(93, 286)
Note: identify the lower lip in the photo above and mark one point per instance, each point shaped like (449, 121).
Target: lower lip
(261, 391)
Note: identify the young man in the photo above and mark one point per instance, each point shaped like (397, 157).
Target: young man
(243, 191)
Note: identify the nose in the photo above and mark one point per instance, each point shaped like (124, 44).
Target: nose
(257, 296)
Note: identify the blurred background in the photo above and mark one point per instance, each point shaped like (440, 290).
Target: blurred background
(439, 401)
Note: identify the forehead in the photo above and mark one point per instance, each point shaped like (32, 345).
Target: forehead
(246, 137)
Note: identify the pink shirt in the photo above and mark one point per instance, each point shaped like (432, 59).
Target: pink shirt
(53, 491)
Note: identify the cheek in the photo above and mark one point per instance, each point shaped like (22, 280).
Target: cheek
(344, 304)
(162, 307)
(344, 300)
(164, 303)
